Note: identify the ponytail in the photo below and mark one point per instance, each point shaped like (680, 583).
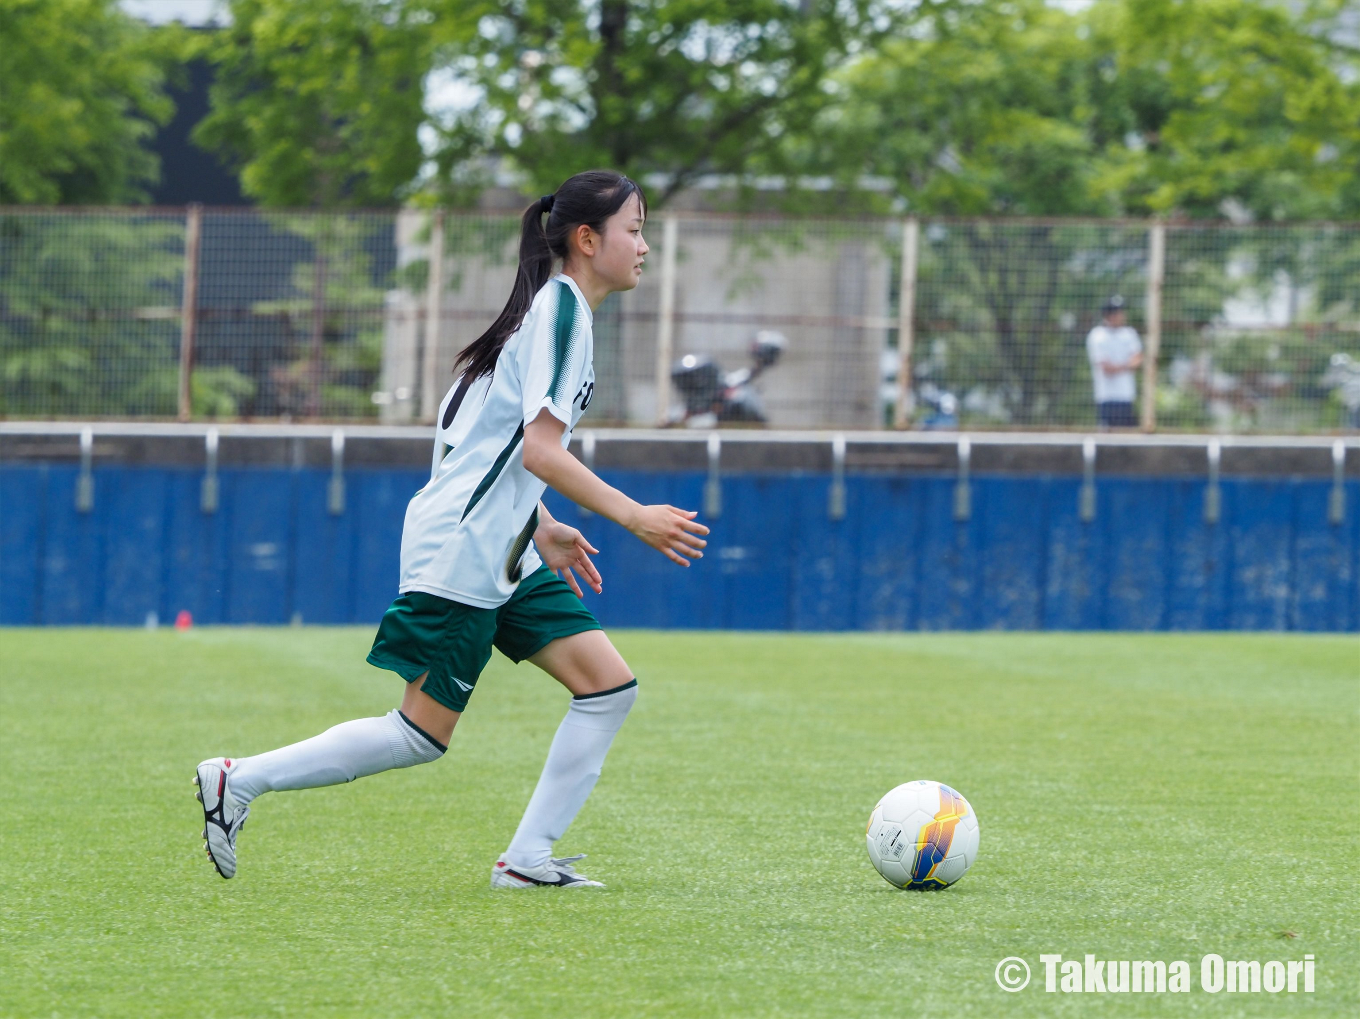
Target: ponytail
(589, 198)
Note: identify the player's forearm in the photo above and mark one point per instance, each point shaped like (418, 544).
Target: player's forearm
(562, 472)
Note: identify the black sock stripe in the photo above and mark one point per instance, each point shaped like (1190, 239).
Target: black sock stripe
(427, 737)
(605, 693)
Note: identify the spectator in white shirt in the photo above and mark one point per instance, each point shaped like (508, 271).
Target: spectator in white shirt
(1115, 352)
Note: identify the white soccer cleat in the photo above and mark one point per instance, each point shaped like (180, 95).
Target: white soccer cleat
(222, 818)
(556, 873)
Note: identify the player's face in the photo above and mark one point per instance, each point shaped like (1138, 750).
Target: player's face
(1116, 319)
(620, 256)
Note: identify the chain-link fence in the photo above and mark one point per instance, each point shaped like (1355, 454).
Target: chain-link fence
(89, 312)
(1262, 328)
(738, 320)
(284, 314)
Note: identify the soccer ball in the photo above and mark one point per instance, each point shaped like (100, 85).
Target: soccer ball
(922, 835)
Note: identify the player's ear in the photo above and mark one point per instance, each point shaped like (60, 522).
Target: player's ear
(585, 239)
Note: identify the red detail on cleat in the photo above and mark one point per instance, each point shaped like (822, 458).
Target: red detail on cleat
(500, 863)
(221, 784)
(226, 762)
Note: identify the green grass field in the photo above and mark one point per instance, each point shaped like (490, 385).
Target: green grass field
(1141, 797)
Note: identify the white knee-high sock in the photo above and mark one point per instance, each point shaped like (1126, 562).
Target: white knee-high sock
(574, 762)
(342, 753)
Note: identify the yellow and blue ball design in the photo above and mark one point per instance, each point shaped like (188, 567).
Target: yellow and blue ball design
(922, 834)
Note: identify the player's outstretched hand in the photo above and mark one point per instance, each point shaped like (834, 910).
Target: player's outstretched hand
(563, 550)
(673, 532)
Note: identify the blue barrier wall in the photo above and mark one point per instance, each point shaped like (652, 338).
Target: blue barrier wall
(273, 552)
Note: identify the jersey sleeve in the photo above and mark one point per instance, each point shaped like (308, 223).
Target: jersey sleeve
(557, 354)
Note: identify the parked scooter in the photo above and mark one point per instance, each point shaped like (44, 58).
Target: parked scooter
(712, 396)
(937, 409)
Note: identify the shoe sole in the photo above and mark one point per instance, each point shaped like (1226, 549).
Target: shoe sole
(208, 839)
(500, 879)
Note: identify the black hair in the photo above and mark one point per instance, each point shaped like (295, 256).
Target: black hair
(588, 198)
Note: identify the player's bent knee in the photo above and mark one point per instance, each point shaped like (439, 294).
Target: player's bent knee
(585, 663)
(422, 710)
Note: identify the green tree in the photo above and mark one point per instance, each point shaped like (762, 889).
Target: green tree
(1225, 105)
(975, 109)
(318, 102)
(336, 338)
(681, 89)
(1185, 108)
(81, 88)
(79, 328)
(1131, 107)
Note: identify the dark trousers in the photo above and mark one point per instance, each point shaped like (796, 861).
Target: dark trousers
(1117, 414)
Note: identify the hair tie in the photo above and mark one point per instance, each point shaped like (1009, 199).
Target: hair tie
(546, 203)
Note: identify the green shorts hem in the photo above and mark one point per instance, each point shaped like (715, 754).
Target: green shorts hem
(405, 670)
(432, 686)
(547, 637)
(422, 633)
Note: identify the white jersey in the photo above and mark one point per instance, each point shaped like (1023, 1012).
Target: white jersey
(1113, 346)
(468, 535)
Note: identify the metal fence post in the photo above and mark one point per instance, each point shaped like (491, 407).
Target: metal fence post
(665, 319)
(1153, 346)
(210, 492)
(318, 342)
(835, 500)
(85, 479)
(188, 315)
(963, 490)
(1336, 500)
(906, 321)
(434, 314)
(713, 486)
(335, 491)
(1213, 495)
(1086, 495)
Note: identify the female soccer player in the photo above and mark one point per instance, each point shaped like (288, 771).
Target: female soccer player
(480, 554)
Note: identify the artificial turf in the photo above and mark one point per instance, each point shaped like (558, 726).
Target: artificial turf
(1140, 796)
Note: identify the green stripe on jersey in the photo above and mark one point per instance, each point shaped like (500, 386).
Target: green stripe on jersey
(490, 477)
(513, 566)
(562, 337)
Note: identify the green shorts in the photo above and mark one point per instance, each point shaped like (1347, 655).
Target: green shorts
(424, 633)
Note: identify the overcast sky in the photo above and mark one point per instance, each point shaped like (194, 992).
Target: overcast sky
(191, 12)
(200, 12)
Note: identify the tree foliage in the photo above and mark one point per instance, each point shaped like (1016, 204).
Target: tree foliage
(1229, 106)
(336, 354)
(318, 102)
(73, 338)
(1196, 108)
(681, 88)
(81, 89)
(1181, 108)
(1133, 107)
